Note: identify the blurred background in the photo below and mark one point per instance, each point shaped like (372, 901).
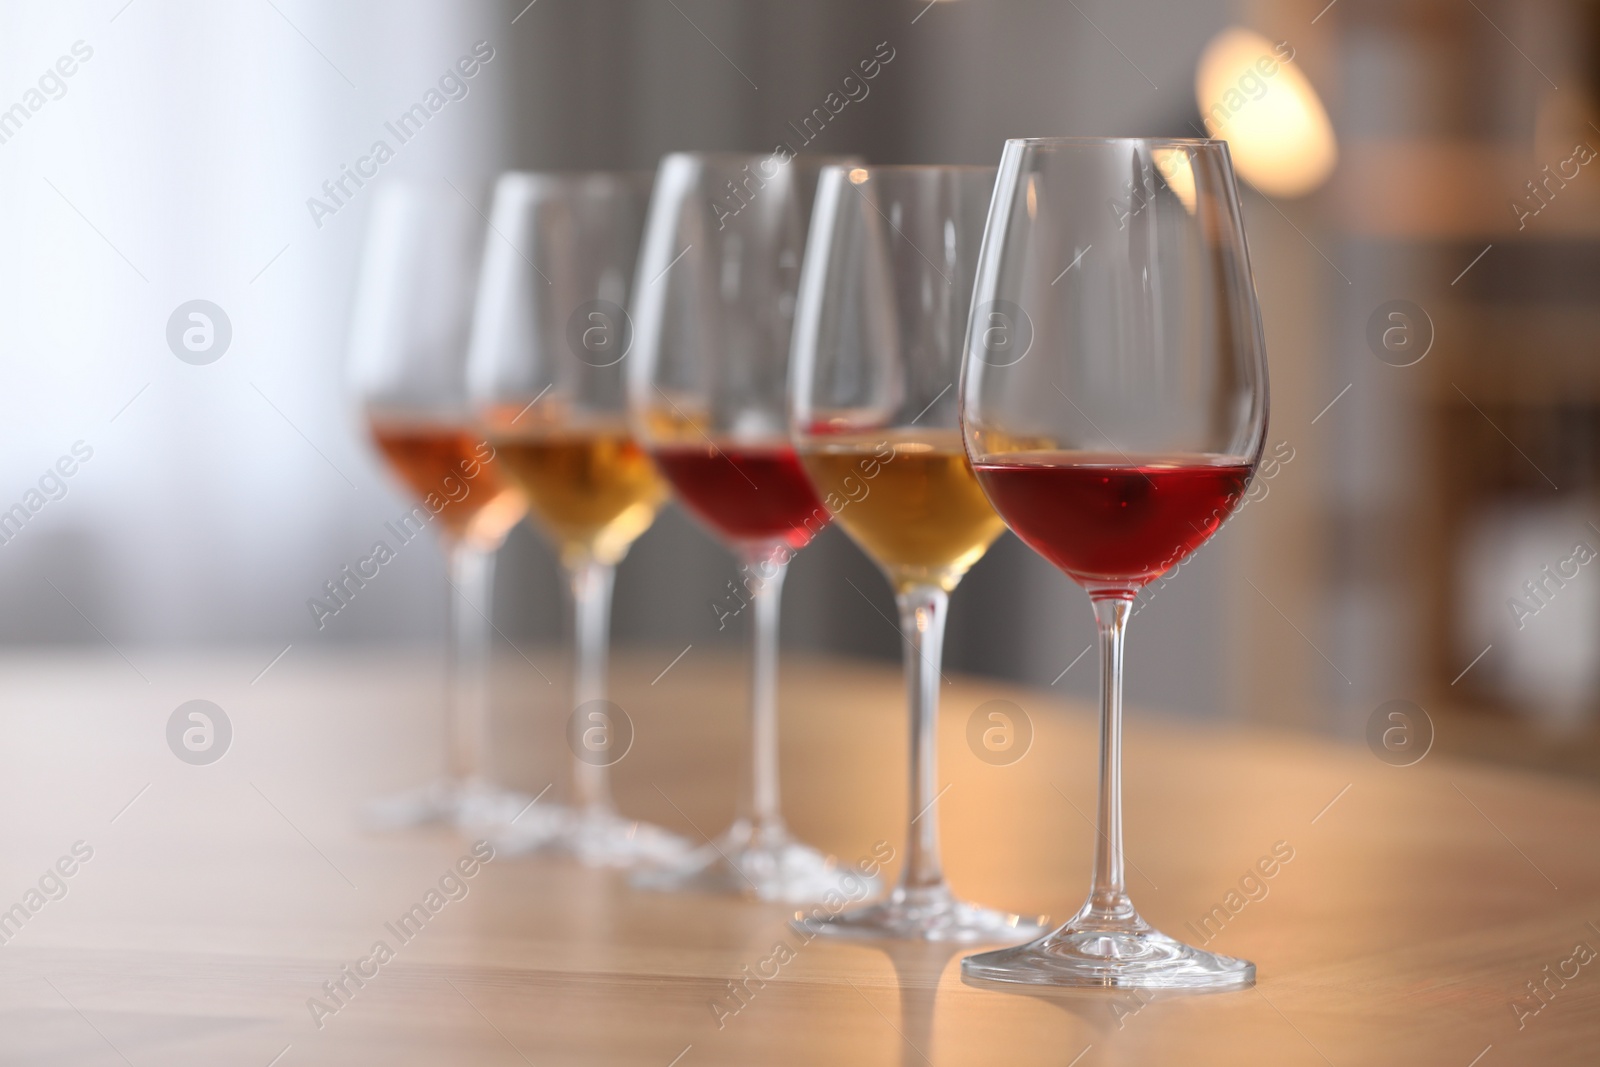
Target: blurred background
(1423, 210)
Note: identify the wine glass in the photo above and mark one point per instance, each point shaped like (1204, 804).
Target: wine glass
(406, 364)
(549, 343)
(879, 330)
(707, 392)
(1114, 406)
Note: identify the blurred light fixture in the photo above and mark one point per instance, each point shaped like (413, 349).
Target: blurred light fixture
(1251, 95)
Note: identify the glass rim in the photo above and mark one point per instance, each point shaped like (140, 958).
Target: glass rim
(735, 155)
(913, 168)
(1086, 142)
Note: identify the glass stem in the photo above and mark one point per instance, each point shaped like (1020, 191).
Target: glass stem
(767, 565)
(922, 613)
(466, 664)
(591, 633)
(1108, 897)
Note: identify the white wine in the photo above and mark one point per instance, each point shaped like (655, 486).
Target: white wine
(921, 517)
(592, 489)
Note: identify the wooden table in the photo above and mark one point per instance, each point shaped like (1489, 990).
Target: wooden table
(1418, 903)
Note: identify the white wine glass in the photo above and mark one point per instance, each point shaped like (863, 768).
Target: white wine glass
(879, 331)
(549, 346)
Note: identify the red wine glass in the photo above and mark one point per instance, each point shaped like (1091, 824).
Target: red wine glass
(713, 308)
(1114, 406)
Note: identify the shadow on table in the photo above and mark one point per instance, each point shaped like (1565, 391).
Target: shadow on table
(918, 966)
(1103, 1010)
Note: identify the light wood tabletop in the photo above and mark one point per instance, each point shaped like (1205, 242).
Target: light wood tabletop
(174, 914)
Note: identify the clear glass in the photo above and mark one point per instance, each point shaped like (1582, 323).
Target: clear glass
(406, 364)
(549, 343)
(707, 394)
(1114, 406)
(879, 330)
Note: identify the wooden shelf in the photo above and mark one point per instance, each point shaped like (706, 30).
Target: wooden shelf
(1435, 189)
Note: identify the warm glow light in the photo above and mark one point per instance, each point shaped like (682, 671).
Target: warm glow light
(1174, 165)
(1253, 96)
(858, 175)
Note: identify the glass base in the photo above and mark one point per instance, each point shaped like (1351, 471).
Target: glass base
(451, 800)
(503, 812)
(1122, 954)
(594, 837)
(769, 864)
(931, 913)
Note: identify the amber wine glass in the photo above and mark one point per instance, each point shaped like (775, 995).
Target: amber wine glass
(879, 329)
(549, 344)
(1114, 406)
(714, 308)
(407, 362)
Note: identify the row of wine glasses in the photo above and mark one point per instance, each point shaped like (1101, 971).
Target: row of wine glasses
(1068, 346)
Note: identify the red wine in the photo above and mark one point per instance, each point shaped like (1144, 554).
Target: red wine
(1112, 523)
(746, 493)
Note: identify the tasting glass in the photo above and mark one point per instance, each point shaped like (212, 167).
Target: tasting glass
(707, 392)
(550, 342)
(1114, 406)
(406, 367)
(879, 330)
